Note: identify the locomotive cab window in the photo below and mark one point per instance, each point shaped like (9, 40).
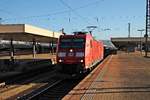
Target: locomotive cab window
(78, 43)
(65, 43)
(72, 42)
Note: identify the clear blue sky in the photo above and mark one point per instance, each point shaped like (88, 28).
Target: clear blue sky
(73, 15)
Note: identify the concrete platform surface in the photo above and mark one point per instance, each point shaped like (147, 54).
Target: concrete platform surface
(30, 56)
(120, 77)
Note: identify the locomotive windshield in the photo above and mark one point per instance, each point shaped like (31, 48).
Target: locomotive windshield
(72, 43)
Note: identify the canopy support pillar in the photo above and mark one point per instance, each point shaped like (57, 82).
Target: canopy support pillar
(11, 50)
(34, 48)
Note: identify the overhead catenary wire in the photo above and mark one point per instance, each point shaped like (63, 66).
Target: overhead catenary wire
(54, 13)
(8, 13)
(65, 11)
(74, 11)
(49, 16)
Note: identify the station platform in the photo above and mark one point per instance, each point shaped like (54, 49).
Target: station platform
(30, 56)
(24, 61)
(119, 77)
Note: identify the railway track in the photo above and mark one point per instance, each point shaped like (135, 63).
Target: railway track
(36, 93)
(19, 86)
(54, 90)
(40, 87)
(58, 91)
(14, 85)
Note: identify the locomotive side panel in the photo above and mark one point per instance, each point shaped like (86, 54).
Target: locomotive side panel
(93, 51)
(101, 57)
(88, 52)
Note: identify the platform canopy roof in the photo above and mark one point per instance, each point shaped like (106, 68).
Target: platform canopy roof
(129, 39)
(27, 33)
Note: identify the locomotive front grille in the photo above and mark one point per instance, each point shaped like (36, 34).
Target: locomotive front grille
(70, 54)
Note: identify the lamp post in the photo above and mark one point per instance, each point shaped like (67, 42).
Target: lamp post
(1, 20)
(141, 31)
(129, 28)
(52, 44)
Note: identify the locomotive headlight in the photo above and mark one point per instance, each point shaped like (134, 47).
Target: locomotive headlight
(71, 50)
(60, 60)
(61, 54)
(79, 54)
(86, 67)
(81, 60)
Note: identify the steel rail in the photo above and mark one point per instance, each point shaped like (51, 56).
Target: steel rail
(36, 93)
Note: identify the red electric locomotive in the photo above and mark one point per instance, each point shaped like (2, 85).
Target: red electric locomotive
(79, 52)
